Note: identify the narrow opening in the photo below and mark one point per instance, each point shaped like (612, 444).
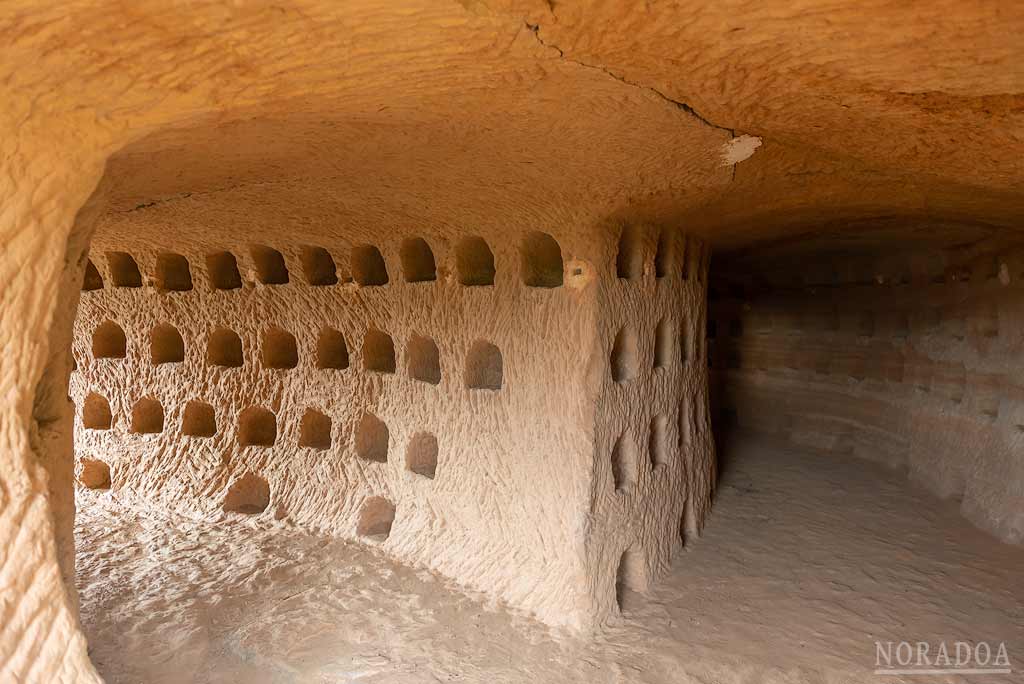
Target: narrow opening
(250, 495)
(172, 272)
(417, 261)
(166, 345)
(109, 342)
(270, 267)
(96, 413)
(222, 268)
(92, 280)
(625, 358)
(315, 431)
(686, 420)
(378, 352)
(368, 267)
(376, 517)
(331, 350)
(424, 360)
(257, 427)
(689, 527)
(663, 339)
(629, 262)
(624, 463)
(318, 266)
(124, 272)
(484, 366)
(474, 262)
(658, 442)
(279, 349)
(421, 454)
(198, 420)
(224, 348)
(94, 474)
(541, 261)
(664, 257)
(372, 438)
(147, 416)
(628, 578)
(685, 341)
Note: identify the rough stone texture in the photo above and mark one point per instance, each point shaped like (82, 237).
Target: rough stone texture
(521, 504)
(911, 358)
(288, 607)
(424, 117)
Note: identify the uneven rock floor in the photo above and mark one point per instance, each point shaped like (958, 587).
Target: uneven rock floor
(805, 563)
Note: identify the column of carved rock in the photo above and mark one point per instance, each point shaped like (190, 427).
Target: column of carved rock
(39, 636)
(654, 456)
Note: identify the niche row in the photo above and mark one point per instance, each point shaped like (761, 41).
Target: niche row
(671, 257)
(625, 455)
(250, 495)
(257, 427)
(541, 266)
(484, 367)
(625, 355)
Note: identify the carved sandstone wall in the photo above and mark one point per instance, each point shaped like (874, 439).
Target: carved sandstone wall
(908, 358)
(483, 115)
(515, 411)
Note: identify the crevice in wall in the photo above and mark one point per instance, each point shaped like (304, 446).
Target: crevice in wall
(376, 517)
(315, 430)
(279, 349)
(257, 426)
(378, 352)
(484, 367)
(198, 420)
(418, 264)
(222, 270)
(331, 350)
(318, 266)
(109, 341)
(96, 413)
(173, 273)
(224, 348)
(625, 356)
(166, 345)
(147, 416)
(124, 272)
(248, 495)
(424, 359)
(421, 455)
(474, 262)
(368, 266)
(541, 261)
(372, 439)
(270, 265)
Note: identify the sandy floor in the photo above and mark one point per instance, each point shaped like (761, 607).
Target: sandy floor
(805, 563)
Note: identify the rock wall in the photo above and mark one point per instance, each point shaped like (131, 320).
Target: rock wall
(910, 358)
(653, 443)
(446, 396)
(453, 114)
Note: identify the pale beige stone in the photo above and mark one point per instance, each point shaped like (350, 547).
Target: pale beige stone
(187, 131)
